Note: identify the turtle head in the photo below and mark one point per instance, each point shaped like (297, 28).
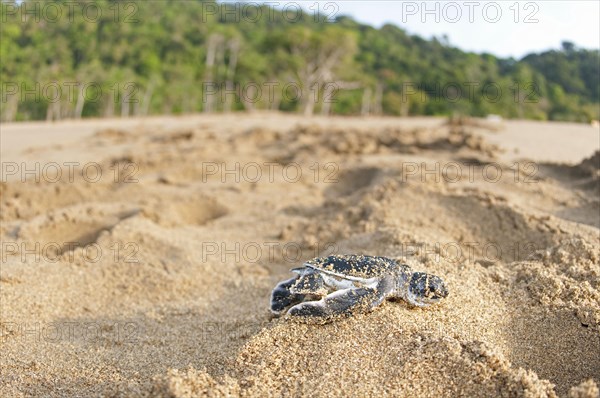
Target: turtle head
(425, 289)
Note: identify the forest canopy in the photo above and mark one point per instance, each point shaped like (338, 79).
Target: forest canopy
(73, 59)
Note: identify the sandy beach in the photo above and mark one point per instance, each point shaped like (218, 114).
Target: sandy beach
(138, 256)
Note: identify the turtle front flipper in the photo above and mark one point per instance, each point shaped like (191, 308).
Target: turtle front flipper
(341, 302)
(309, 284)
(282, 297)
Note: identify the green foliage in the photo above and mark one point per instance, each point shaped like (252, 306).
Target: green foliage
(151, 57)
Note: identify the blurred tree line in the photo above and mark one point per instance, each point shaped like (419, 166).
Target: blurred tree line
(67, 59)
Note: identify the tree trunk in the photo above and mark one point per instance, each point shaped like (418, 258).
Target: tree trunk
(377, 106)
(276, 101)
(234, 47)
(214, 41)
(124, 106)
(53, 111)
(11, 108)
(366, 102)
(328, 91)
(250, 92)
(404, 108)
(80, 103)
(310, 100)
(109, 110)
(145, 105)
(316, 73)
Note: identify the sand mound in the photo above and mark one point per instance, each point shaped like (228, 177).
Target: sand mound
(310, 141)
(590, 166)
(187, 210)
(566, 275)
(419, 366)
(587, 389)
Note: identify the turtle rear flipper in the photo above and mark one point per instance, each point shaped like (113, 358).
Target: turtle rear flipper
(282, 297)
(341, 302)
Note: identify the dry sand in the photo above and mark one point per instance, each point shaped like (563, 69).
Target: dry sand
(165, 290)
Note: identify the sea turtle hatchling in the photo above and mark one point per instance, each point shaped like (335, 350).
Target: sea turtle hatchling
(343, 284)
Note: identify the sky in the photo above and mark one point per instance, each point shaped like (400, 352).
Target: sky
(503, 28)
